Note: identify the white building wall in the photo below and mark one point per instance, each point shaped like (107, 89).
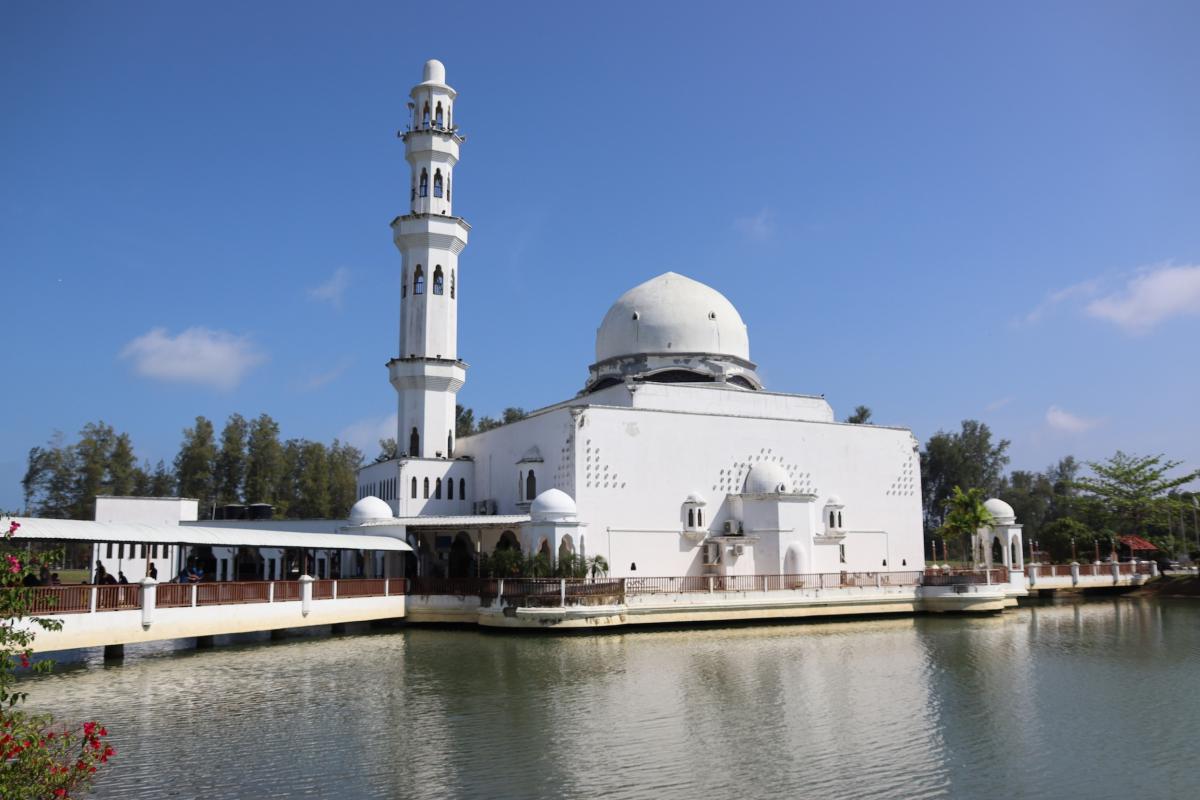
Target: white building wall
(132, 559)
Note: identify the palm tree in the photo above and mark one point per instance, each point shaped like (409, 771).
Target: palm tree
(965, 514)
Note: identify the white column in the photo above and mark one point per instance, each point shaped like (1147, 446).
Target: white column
(306, 594)
(149, 598)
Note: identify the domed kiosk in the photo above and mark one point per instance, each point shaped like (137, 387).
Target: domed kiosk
(370, 509)
(672, 329)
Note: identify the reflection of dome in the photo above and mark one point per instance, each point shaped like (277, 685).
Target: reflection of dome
(434, 72)
(672, 329)
(767, 477)
(369, 509)
(551, 505)
(1001, 510)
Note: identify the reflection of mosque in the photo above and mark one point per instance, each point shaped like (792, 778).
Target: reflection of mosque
(673, 458)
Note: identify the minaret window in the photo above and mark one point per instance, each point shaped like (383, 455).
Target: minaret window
(414, 446)
(419, 280)
(450, 489)
(404, 283)
(427, 488)
(832, 520)
(437, 490)
(530, 486)
(437, 118)
(451, 284)
(425, 116)
(450, 453)
(437, 183)
(414, 487)
(462, 488)
(424, 190)
(447, 187)
(438, 282)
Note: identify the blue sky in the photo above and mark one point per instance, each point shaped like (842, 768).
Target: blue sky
(940, 210)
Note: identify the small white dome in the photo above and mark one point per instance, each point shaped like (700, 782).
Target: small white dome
(1001, 510)
(696, 499)
(434, 72)
(835, 501)
(552, 504)
(672, 314)
(368, 509)
(768, 477)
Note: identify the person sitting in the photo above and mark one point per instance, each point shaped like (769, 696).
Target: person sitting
(122, 579)
(153, 573)
(54, 580)
(109, 580)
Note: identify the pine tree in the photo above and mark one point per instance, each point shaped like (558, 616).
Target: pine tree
(162, 482)
(312, 483)
(231, 463)
(122, 468)
(93, 454)
(344, 461)
(264, 462)
(195, 465)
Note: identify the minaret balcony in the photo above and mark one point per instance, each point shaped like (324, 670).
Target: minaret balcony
(431, 230)
(427, 373)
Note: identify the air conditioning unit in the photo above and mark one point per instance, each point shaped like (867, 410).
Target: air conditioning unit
(731, 527)
(485, 507)
(737, 549)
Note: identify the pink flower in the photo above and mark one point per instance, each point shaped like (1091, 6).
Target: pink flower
(88, 728)
(14, 563)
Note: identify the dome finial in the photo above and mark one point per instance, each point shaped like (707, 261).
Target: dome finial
(434, 72)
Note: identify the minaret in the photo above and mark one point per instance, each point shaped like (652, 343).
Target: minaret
(427, 374)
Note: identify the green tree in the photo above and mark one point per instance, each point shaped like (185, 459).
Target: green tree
(344, 461)
(1031, 495)
(162, 482)
(387, 450)
(1134, 491)
(487, 424)
(861, 416)
(195, 465)
(1065, 539)
(231, 461)
(513, 414)
(964, 515)
(93, 454)
(50, 479)
(311, 481)
(264, 461)
(464, 421)
(966, 458)
(122, 467)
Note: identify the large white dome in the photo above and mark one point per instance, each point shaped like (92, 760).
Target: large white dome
(368, 509)
(551, 505)
(1000, 510)
(672, 314)
(767, 477)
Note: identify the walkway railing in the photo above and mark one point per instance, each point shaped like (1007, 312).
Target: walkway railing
(82, 599)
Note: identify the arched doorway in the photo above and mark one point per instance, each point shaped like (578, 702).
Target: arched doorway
(462, 556)
(793, 561)
(997, 551)
(508, 541)
(566, 557)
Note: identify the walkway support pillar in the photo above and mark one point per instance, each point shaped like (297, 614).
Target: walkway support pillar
(306, 592)
(1074, 573)
(149, 598)
(1032, 571)
(1153, 569)
(1116, 572)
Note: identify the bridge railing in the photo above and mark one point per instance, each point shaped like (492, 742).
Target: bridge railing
(85, 598)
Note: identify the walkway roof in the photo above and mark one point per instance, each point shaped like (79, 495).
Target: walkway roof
(73, 530)
(464, 521)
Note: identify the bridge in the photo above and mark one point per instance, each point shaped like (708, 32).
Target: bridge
(1051, 578)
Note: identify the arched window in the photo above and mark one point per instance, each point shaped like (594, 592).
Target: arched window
(419, 281)
(452, 284)
(438, 283)
(700, 517)
(414, 443)
(437, 183)
(425, 115)
(414, 487)
(839, 519)
(530, 486)
(447, 187)
(450, 446)
(437, 490)
(691, 518)
(404, 283)
(427, 488)
(450, 489)
(437, 116)
(832, 520)
(462, 488)
(423, 191)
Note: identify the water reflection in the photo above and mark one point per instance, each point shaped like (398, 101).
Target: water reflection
(1028, 704)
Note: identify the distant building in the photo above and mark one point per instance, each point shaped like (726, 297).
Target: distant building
(673, 459)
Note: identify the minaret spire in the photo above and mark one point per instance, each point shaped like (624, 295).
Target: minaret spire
(427, 373)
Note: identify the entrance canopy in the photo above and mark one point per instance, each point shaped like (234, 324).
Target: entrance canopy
(73, 530)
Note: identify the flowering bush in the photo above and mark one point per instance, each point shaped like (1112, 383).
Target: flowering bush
(38, 758)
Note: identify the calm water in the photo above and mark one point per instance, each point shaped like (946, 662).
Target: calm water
(1096, 700)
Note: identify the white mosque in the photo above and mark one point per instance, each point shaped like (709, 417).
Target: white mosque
(674, 459)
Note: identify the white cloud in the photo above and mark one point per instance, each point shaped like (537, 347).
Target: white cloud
(996, 405)
(1088, 288)
(1151, 297)
(758, 227)
(1066, 422)
(197, 355)
(319, 379)
(333, 289)
(366, 433)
